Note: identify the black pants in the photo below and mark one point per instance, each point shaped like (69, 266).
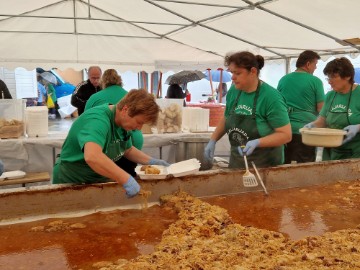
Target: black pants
(127, 166)
(299, 152)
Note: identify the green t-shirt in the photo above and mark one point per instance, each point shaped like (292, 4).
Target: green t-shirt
(340, 104)
(302, 92)
(113, 94)
(271, 110)
(94, 125)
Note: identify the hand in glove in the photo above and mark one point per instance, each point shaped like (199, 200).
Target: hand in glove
(352, 130)
(161, 162)
(209, 150)
(131, 187)
(249, 147)
(310, 125)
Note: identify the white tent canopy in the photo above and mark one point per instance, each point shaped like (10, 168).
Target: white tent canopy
(169, 35)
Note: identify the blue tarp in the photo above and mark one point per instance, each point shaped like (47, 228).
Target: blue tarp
(357, 75)
(64, 89)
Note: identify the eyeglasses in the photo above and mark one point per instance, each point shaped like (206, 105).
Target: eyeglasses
(332, 77)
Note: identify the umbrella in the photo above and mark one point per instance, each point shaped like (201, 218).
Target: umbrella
(215, 75)
(185, 76)
(218, 75)
(48, 76)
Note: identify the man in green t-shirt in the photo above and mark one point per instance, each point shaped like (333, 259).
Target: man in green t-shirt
(304, 96)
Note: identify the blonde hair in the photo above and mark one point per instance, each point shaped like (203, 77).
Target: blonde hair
(111, 77)
(140, 102)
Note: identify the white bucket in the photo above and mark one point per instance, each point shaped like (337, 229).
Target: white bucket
(37, 122)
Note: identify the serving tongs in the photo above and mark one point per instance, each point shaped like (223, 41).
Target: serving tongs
(258, 175)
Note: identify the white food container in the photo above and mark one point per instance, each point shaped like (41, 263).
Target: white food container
(183, 168)
(37, 123)
(12, 175)
(322, 137)
(195, 119)
(163, 173)
(178, 169)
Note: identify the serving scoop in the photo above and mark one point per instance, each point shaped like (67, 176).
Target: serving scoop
(249, 179)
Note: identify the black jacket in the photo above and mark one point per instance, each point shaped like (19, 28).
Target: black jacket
(82, 93)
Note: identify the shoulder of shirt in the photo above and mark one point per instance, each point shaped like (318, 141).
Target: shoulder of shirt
(265, 85)
(80, 85)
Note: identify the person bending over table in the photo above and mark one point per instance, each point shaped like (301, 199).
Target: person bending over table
(255, 116)
(341, 109)
(100, 136)
(112, 93)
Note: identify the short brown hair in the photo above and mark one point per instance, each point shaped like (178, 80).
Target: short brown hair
(140, 102)
(245, 60)
(111, 77)
(341, 66)
(306, 56)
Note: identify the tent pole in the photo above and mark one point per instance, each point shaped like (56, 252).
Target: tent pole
(287, 65)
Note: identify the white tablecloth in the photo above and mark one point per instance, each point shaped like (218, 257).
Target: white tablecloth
(37, 154)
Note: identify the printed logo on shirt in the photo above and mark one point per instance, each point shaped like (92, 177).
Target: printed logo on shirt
(243, 109)
(339, 108)
(238, 135)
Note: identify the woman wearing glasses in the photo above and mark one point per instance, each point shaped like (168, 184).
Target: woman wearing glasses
(341, 109)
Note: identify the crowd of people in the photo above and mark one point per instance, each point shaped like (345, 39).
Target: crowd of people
(105, 142)
(263, 122)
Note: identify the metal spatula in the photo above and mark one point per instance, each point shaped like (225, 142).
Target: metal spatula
(249, 180)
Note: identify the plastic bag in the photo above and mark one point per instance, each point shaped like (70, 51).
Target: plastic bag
(50, 103)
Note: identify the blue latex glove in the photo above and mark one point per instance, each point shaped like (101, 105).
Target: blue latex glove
(240, 149)
(210, 150)
(310, 125)
(160, 162)
(1, 167)
(249, 147)
(352, 130)
(132, 187)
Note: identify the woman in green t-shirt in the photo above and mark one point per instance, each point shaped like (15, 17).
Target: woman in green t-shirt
(341, 109)
(101, 136)
(112, 92)
(255, 119)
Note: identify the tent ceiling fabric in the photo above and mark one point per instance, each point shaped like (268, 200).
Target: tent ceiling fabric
(167, 34)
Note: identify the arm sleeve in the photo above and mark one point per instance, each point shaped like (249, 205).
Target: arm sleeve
(76, 98)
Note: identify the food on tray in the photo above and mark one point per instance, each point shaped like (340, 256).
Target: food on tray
(149, 169)
(204, 237)
(11, 128)
(152, 170)
(170, 119)
(12, 122)
(58, 225)
(143, 167)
